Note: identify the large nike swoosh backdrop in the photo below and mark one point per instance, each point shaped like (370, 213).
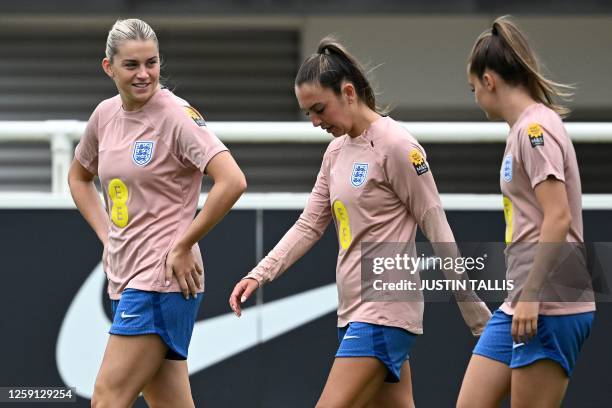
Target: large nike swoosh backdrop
(55, 315)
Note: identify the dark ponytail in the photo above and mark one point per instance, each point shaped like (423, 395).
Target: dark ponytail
(504, 49)
(332, 65)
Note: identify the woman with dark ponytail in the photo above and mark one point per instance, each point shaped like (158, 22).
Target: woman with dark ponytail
(530, 346)
(377, 187)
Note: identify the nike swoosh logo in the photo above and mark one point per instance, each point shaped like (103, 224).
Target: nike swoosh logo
(84, 332)
(350, 337)
(127, 316)
(517, 345)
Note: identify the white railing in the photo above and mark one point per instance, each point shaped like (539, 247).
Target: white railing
(286, 201)
(61, 134)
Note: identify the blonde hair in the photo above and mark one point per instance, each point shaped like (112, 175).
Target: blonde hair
(504, 49)
(129, 29)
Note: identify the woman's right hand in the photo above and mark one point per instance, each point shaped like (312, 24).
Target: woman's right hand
(242, 291)
(476, 315)
(182, 264)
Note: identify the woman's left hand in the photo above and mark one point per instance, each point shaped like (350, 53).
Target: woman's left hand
(525, 321)
(188, 272)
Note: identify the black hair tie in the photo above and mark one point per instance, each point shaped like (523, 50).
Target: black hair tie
(494, 30)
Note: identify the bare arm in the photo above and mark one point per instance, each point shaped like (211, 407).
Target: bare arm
(552, 197)
(87, 200)
(229, 184)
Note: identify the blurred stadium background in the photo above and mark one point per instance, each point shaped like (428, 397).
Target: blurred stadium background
(235, 61)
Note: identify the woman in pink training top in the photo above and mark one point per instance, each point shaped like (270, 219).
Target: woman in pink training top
(376, 185)
(530, 346)
(149, 149)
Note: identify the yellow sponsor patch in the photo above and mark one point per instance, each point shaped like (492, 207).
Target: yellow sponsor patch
(508, 217)
(344, 226)
(118, 193)
(195, 115)
(536, 134)
(418, 161)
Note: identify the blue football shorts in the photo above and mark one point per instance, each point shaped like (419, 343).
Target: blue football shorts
(168, 315)
(390, 345)
(559, 338)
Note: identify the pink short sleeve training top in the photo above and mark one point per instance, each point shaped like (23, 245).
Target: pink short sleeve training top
(376, 187)
(537, 148)
(150, 163)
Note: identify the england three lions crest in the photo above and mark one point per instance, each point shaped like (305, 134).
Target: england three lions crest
(143, 152)
(507, 168)
(360, 174)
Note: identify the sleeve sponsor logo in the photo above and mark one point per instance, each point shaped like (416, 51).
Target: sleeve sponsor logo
(195, 115)
(418, 161)
(536, 135)
(359, 174)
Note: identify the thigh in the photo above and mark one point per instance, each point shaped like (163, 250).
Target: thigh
(352, 382)
(395, 395)
(390, 345)
(170, 386)
(486, 383)
(129, 362)
(487, 378)
(168, 315)
(559, 339)
(541, 384)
